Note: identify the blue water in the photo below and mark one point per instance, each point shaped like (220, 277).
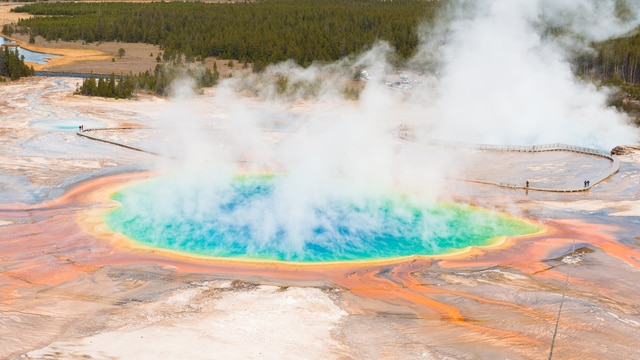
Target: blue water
(66, 127)
(71, 123)
(30, 56)
(248, 219)
(64, 74)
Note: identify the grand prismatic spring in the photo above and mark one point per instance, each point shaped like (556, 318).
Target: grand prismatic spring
(379, 227)
(262, 224)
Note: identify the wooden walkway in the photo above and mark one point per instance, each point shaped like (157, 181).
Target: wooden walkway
(614, 168)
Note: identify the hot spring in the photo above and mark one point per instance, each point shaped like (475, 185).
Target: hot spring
(254, 217)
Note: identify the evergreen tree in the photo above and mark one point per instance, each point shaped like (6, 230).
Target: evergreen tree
(270, 31)
(12, 64)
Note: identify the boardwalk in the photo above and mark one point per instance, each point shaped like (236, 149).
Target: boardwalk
(547, 167)
(552, 167)
(559, 171)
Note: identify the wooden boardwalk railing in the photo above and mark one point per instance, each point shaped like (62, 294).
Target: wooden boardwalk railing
(614, 168)
(84, 133)
(615, 163)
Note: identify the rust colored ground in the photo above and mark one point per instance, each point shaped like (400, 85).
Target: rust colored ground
(55, 242)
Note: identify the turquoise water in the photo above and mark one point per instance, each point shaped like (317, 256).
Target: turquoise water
(252, 217)
(66, 127)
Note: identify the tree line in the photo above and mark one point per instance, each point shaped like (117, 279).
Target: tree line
(266, 31)
(121, 87)
(157, 81)
(614, 59)
(271, 31)
(616, 62)
(12, 64)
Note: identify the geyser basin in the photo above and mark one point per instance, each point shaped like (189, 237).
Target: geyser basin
(257, 218)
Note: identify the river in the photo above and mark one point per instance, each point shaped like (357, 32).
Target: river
(30, 56)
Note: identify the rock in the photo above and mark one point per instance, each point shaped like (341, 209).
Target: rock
(624, 149)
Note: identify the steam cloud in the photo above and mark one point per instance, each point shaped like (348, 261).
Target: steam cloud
(489, 73)
(503, 79)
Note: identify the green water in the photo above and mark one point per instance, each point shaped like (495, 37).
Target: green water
(254, 217)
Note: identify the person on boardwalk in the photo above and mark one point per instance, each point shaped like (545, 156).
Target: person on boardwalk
(527, 183)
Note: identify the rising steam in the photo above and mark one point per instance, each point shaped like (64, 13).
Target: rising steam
(488, 73)
(502, 78)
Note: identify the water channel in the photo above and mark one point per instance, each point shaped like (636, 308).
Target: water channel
(29, 56)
